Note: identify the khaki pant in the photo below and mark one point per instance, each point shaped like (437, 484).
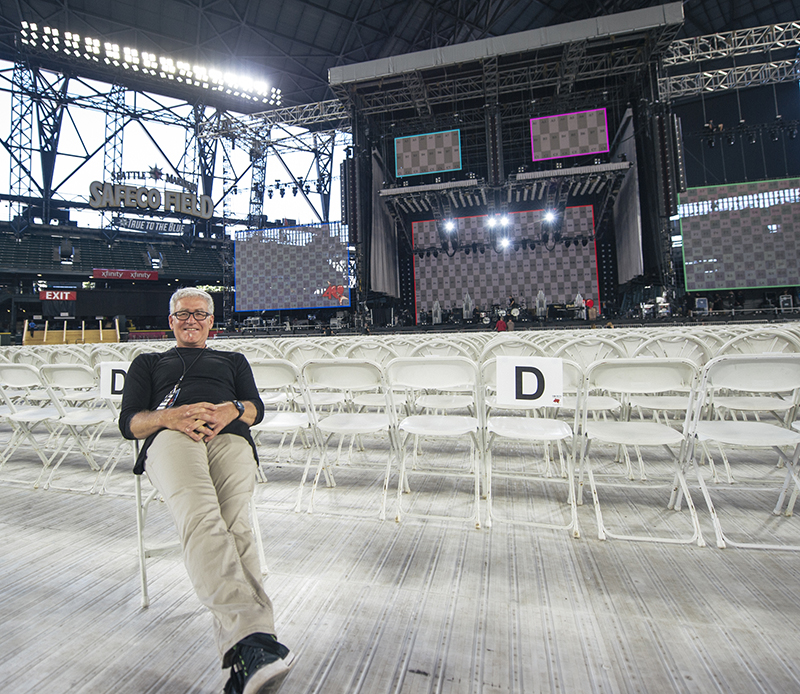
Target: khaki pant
(207, 489)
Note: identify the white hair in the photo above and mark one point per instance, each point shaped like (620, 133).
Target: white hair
(188, 292)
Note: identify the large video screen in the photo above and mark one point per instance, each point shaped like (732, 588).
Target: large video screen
(429, 153)
(490, 277)
(569, 135)
(741, 236)
(292, 268)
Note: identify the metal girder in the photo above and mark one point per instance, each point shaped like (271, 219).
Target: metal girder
(330, 113)
(732, 43)
(20, 140)
(112, 150)
(726, 79)
(547, 74)
(323, 159)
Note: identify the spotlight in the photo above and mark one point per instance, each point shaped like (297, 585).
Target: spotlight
(731, 138)
(584, 241)
(283, 192)
(436, 254)
(567, 243)
(792, 133)
(294, 190)
(269, 193)
(504, 243)
(751, 138)
(491, 222)
(545, 237)
(482, 249)
(504, 220)
(774, 134)
(449, 225)
(711, 142)
(466, 250)
(524, 244)
(549, 216)
(533, 245)
(474, 247)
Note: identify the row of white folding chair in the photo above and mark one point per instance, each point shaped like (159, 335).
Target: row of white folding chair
(61, 399)
(749, 376)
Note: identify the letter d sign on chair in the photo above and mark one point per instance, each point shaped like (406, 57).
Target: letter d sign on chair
(529, 381)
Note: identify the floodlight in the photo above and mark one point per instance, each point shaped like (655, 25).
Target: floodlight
(449, 225)
(504, 242)
(549, 216)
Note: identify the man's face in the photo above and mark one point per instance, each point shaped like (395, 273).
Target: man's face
(191, 332)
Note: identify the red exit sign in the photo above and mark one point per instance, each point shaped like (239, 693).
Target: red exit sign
(55, 295)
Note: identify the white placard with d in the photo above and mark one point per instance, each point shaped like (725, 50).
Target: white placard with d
(527, 382)
(112, 379)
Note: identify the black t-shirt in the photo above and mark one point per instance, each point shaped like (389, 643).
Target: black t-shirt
(208, 376)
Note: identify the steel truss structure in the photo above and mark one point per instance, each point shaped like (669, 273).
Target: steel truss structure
(706, 64)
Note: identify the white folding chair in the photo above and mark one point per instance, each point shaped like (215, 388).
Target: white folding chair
(279, 385)
(79, 426)
(146, 551)
(533, 430)
(440, 376)
(347, 377)
(751, 375)
(625, 378)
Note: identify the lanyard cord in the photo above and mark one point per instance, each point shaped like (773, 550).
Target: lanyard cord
(183, 361)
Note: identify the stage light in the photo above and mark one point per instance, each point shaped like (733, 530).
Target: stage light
(504, 242)
(491, 222)
(482, 249)
(711, 142)
(283, 192)
(752, 139)
(731, 139)
(584, 241)
(449, 225)
(466, 250)
(792, 133)
(504, 220)
(474, 247)
(269, 193)
(567, 243)
(294, 191)
(92, 49)
(549, 216)
(545, 238)
(774, 134)
(436, 254)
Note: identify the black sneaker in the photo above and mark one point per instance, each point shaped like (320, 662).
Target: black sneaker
(258, 670)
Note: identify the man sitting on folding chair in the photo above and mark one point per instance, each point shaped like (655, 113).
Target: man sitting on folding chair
(194, 407)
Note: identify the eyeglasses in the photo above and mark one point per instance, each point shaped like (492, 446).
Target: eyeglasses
(199, 316)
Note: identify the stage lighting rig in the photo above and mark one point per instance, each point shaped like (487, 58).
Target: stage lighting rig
(106, 54)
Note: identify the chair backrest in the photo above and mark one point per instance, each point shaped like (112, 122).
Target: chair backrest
(572, 375)
(754, 373)
(441, 347)
(275, 374)
(642, 375)
(24, 376)
(761, 342)
(436, 373)
(675, 345)
(343, 375)
(371, 350)
(509, 346)
(69, 376)
(305, 350)
(585, 350)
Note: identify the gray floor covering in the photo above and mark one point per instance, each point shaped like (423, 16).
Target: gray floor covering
(421, 606)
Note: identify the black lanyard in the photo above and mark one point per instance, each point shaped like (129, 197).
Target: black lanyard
(172, 396)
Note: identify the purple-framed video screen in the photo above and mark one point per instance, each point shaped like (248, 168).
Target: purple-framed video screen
(569, 135)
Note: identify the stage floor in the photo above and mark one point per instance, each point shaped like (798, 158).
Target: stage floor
(421, 606)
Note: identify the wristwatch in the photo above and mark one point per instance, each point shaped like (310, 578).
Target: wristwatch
(240, 407)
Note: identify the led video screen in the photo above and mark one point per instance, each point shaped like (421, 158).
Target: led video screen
(569, 135)
(491, 277)
(740, 236)
(430, 153)
(292, 268)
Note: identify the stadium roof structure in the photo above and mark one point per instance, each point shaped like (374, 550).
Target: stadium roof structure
(293, 44)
